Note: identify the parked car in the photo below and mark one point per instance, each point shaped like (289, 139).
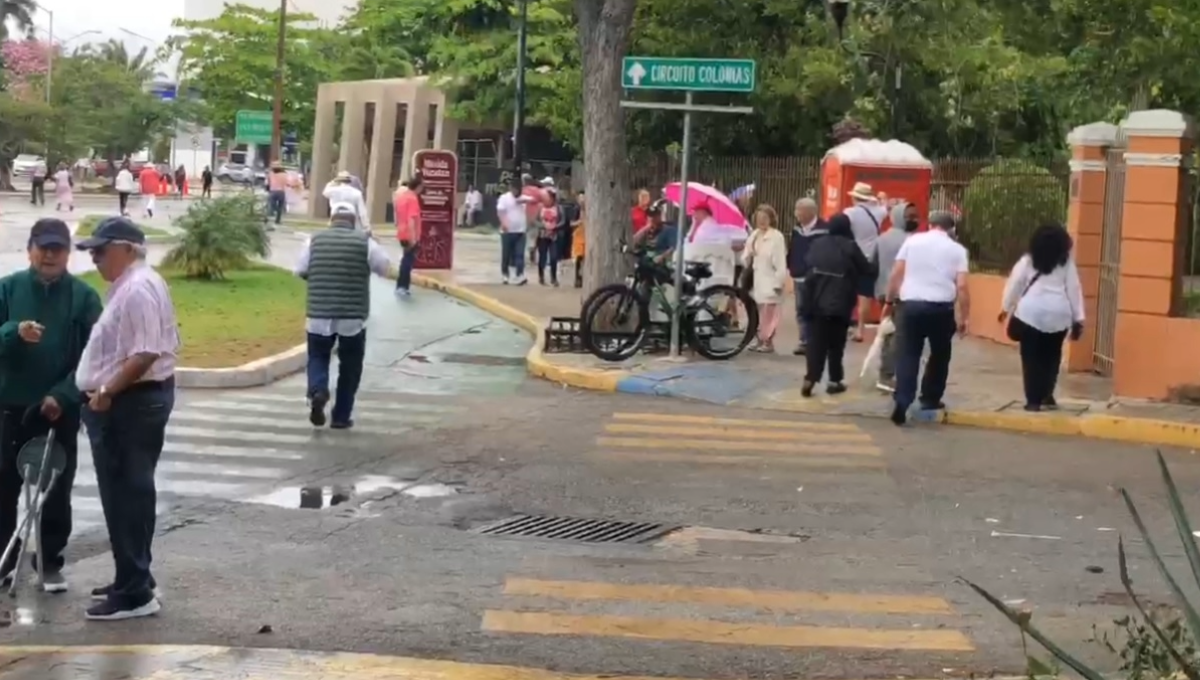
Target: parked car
(26, 164)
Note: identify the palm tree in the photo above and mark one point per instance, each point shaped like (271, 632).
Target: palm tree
(141, 63)
(19, 12)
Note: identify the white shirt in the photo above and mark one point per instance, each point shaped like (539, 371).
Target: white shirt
(380, 264)
(511, 210)
(932, 262)
(340, 192)
(865, 221)
(1052, 303)
(124, 183)
(473, 201)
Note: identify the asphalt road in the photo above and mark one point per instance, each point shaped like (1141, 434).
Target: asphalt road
(797, 547)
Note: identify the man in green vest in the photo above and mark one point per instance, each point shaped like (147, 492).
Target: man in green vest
(338, 263)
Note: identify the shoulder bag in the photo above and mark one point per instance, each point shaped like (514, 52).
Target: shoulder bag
(1015, 327)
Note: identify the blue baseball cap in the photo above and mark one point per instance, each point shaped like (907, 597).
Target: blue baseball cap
(113, 229)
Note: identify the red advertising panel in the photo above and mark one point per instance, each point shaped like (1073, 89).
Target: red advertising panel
(439, 170)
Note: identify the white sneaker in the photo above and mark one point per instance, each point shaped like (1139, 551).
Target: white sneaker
(504, 280)
(522, 281)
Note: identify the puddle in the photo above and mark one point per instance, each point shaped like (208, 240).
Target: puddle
(316, 497)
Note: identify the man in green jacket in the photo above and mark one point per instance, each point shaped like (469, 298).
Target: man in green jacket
(46, 317)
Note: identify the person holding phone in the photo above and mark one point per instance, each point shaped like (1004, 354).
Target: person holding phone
(46, 316)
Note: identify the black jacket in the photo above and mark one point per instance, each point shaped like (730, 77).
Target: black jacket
(798, 246)
(835, 265)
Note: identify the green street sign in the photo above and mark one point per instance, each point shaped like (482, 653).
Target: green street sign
(254, 127)
(697, 75)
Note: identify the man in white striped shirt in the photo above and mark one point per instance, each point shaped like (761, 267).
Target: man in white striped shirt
(127, 373)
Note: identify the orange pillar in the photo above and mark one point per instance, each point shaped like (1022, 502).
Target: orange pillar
(1154, 228)
(1085, 221)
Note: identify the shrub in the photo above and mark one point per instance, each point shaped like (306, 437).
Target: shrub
(220, 235)
(1003, 205)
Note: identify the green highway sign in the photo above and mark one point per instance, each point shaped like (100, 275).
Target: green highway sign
(254, 127)
(697, 75)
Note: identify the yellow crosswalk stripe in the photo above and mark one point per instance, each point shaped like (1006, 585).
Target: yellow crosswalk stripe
(807, 460)
(722, 633)
(739, 433)
(734, 422)
(753, 446)
(772, 600)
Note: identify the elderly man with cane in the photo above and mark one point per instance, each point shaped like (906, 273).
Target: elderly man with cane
(46, 316)
(127, 372)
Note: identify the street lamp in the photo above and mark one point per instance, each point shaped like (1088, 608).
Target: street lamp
(519, 123)
(840, 11)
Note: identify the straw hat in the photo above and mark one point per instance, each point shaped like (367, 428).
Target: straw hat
(863, 192)
(343, 176)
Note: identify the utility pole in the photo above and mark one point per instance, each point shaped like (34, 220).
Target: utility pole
(277, 122)
(49, 54)
(519, 124)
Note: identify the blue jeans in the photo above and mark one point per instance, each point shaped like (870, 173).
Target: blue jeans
(547, 255)
(921, 322)
(798, 289)
(512, 253)
(350, 352)
(127, 441)
(407, 259)
(276, 201)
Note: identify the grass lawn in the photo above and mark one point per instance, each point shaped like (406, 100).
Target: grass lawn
(89, 223)
(252, 314)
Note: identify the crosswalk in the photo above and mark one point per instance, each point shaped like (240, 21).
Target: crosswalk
(724, 616)
(245, 444)
(713, 440)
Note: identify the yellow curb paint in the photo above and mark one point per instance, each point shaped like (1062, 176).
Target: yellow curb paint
(734, 422)
(735, 433)
(754, 447)
(723, 633)
(766, 600)
(808, 461)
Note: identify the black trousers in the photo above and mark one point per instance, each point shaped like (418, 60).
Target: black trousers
(127, 441)
(37, 192)
(1041, 357)
(826, 347)
(931, 322)
(123, 200)
(56, 515)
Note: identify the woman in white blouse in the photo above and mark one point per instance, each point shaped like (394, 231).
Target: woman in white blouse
(766, 258)
(1043, 302)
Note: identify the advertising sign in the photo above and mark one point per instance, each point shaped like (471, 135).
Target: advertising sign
(439, 170)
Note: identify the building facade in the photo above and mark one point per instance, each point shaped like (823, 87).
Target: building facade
(328, 12)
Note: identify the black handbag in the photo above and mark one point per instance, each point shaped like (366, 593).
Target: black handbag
(1015, 326)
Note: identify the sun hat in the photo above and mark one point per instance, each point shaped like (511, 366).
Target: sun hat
(863, 192)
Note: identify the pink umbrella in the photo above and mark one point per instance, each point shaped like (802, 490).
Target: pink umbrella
(724, 211)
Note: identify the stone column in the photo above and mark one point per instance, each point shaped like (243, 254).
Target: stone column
(416, 132)
(445, 131)
(1085, 220)
(379, 172)
(354, 125)
(322, 153)
(1154, 230)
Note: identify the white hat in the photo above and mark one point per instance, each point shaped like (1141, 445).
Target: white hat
(343, 209)
(863, 192)
(344, 175)
(548, 182)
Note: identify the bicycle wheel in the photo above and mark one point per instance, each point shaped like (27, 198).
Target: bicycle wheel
(722, 322)
(614, 322)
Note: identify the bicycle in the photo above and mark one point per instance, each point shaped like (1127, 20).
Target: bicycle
(706, 320)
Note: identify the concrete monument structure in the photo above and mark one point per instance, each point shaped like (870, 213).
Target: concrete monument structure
(383, 123)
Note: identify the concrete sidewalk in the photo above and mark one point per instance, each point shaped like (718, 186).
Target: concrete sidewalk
(984, 389)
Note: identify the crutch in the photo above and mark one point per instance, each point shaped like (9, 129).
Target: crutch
(40, 462)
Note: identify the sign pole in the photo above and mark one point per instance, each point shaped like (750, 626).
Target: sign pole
(677, 316)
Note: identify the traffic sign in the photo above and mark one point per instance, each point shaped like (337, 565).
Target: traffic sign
(697, 75)
(254, 127)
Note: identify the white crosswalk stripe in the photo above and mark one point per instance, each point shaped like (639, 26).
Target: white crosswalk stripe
(244, 445)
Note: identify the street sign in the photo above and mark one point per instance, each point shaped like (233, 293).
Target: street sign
(696, 75)
(439, 176)
(253, 127)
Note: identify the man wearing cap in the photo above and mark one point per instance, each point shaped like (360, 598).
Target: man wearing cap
(337, 263)
(342, 190)
(46, 315)
(127, 372)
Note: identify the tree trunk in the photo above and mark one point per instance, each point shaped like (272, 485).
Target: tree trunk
(604, 36)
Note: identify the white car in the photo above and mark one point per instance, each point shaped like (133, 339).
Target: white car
(26, 164)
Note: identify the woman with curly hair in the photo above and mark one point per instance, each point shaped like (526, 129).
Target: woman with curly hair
(1043, 301)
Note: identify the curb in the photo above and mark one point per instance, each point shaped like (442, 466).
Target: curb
(1112, 428)
(254, 374)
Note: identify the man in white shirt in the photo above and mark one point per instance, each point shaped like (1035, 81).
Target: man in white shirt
(929, 279)
(514, 222)
(472, 206)
(342, 190)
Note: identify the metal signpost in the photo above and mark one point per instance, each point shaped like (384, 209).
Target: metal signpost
(254, 127)
(690, 76)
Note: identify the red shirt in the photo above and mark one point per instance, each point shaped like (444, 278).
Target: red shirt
(408, 206)
(148, 178)
(640, 219)
(534, 207)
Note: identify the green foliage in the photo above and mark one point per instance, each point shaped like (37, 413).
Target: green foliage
(1143, 655)
(220, 235)
(1004, 204)
(1175, 653)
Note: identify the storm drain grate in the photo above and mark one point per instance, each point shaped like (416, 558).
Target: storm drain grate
(577, 529)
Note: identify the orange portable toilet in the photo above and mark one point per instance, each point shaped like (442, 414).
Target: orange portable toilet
(892, 167)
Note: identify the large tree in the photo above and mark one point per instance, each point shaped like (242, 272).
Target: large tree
(17, 12)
